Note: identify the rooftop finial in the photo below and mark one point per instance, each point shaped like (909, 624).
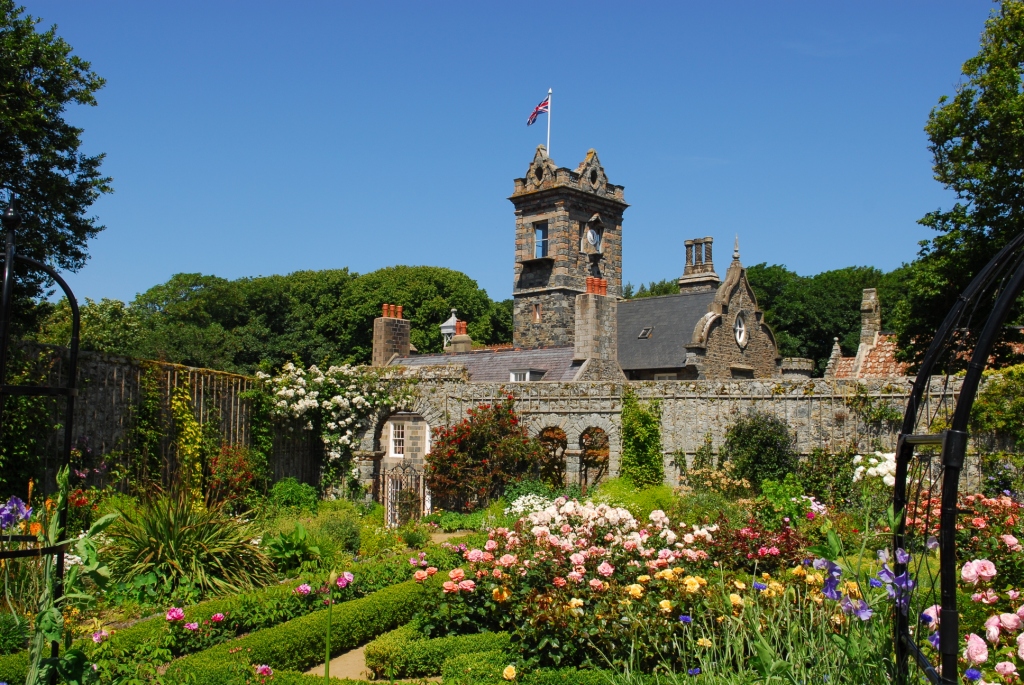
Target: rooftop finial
(736, 248)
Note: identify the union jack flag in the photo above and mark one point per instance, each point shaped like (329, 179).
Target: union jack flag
(542, 108)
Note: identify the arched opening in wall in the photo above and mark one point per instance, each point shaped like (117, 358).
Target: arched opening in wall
(593, 457)
(552, 465)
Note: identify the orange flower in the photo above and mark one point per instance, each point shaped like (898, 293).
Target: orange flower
(36, 528)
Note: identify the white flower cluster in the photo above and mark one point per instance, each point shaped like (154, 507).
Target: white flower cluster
(881, 465)
(338, 402)
(527, 504)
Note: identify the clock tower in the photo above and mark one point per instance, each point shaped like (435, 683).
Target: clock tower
(568, 229)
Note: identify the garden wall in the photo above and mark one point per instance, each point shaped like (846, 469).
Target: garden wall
(112, 390)
(821, 413)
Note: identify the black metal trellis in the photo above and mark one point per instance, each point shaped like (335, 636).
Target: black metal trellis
(929, 465)
(11, 224)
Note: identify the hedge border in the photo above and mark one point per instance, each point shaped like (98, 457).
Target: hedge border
(407, 653)
(299, 644)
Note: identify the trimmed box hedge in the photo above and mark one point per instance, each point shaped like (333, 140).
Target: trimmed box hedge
(406, 653)
(299, 644)
(485, 668)
(14, 667)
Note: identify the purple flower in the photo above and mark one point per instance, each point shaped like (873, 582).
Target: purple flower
(829, 588)
(693, 671)
(685, 619)
(99, 636)
(901, 556)
(925, 618)
(883, 556)
(13, 511)
(886, 575)
(862, 610)
(972, 674)
(933, 640)
(760, 587)
(874, 582)
(932, 544)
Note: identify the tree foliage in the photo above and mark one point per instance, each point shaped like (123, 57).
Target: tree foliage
(472, 462)
(761, 448)
(249, 323)
(668, 286)
(40, 157)
(808, 312)
(976, 139)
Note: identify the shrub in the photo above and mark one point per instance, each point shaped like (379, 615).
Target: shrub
(299, 644)
(486, 669)
(828, 475)
(761, 448)
(234, 472)
(406, 653)
(290, 551)
(642, 461)
(473, 461)
(289, 492)
(14, 667)
(782, 504)
(184, 543)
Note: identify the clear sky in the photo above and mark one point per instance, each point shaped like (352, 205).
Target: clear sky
(254, 138)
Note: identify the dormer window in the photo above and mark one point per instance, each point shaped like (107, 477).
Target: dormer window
(646, 333)
(525, 375)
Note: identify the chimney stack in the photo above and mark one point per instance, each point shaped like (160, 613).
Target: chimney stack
(461, 342)
(699, 272)
(870, 317)
(390, 335)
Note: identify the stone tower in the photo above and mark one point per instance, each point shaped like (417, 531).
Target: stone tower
(568, 228)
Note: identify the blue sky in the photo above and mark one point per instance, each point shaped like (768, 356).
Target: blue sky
(253, 138)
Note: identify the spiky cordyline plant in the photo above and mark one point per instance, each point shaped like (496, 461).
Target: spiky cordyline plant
(184, 542)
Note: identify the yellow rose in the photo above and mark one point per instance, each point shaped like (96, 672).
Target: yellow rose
(799, 571)
(624, 602)
(691, 584)
(665, 605)
(704, 642)
(509, 673)
(740, 586)
(736, 600)
(766, 576)
(665, 575)
(645, 578)
(635, 591)
(852, 589)
(575, 603)
(501, 594)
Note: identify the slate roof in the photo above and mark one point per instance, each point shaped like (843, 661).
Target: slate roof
(673, 318)
(497, 364)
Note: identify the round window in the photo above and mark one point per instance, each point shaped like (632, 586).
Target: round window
(740, 328)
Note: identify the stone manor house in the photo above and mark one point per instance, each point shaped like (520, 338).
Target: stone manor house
(705, 352)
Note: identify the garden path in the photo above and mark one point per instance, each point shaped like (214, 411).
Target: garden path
(438, 538)
(352, 664)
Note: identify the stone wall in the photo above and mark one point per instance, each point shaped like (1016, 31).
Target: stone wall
(111, 388)
(815, 409)
(557, 319)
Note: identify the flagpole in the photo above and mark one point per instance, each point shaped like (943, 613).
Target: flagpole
(549, 124)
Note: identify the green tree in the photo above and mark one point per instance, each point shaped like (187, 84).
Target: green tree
(977, 143)
(40, 158)
(761, 448)
(642, 461)
(667, 286)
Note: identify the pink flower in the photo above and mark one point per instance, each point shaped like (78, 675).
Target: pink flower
(419, 576)
(992, 629)
(596, 585)
(488, 556)
(810, 516)
(933, 612)
(303, 589)
(566, 528)
(577, 559)
(191, 626)
(263, 669)
(475, 555)
(217, 618)
(986, 569)
(774, 551)
(507, 560)
(605, 569)
(977, 651)
(1020, 611)
(491, 545)
(457, 574)
(467, 586)
(449, 587)
(413, 561)
(99, 636)
(969, 574)
(431, 570)
(575, 576)
(496, 573)
(175, 614)
(1006, 668)
(986, 597)
(1011, 542)
(344, 579)
(1020, 645)
(559, 581)
(1010, 622)
(1012, 594)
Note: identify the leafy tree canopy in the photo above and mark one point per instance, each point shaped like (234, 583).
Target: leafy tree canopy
(317, 316)
(977, 144)
(40, 157)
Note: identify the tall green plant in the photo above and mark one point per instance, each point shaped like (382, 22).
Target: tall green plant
(642, 461)
(761, 448)
(187, 545)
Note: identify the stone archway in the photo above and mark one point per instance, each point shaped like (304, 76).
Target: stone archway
(552, 467)
(594, 456)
